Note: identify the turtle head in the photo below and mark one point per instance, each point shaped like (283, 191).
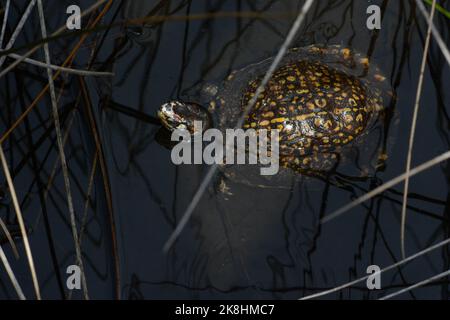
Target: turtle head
(181, 115)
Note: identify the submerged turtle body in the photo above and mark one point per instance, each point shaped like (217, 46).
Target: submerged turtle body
(319, 98)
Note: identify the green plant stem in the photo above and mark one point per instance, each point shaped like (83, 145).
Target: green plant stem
(439, 8)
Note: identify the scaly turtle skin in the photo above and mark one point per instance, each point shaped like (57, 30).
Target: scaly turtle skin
(320, 98)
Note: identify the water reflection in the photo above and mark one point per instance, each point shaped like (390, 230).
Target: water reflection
(242, 242)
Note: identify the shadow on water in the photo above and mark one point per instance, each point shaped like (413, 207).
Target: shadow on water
(242, 241)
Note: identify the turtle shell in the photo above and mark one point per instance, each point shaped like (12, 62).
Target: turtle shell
(322, 99)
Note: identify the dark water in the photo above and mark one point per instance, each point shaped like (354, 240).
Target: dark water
(249, 242)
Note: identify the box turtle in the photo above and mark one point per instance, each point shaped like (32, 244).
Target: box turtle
(322, 99)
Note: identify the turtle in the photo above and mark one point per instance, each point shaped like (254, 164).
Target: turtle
(323, 99)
